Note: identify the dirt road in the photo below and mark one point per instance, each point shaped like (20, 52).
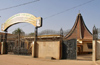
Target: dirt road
(28, 60)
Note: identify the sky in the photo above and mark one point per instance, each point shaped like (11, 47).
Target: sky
(47, 8)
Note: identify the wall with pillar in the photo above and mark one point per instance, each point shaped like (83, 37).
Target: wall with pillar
(48, 49)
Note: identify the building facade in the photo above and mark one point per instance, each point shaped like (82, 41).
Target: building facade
(84, 37)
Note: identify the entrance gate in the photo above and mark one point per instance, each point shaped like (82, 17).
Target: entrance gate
(13, 49)
(69, 49)
(20, 18)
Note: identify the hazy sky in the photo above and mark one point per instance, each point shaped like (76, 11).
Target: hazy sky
(46, 8)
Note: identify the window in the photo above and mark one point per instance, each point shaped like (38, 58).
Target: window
(89, 45)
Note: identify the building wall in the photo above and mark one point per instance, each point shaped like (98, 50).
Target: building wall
(85, 47)
(48, 49)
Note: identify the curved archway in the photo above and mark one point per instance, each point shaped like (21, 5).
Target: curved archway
(22, 18)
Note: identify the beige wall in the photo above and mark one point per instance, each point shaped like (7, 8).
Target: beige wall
(47, 49)
(85, 47)
(0, 46)
(98, 50)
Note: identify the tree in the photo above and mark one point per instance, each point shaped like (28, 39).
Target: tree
(53, 32)
(31, 34)
(18, 32)
(48, 32)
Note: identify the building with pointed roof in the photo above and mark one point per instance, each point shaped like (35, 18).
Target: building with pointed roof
(80, 32)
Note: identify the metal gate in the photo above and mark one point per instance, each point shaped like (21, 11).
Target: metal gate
(16, 47)
(69, 49)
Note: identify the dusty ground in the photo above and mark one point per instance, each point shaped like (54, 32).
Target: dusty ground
(28, 60)
(85, 57)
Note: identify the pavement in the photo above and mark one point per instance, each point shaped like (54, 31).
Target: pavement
(28, 60)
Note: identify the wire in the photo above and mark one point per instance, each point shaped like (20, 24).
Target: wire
(19, 5)
(68, 9)
(65, 11)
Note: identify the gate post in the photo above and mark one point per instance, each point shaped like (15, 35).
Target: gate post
(94, 43)
(61, 44)
(4, 44)
(1, 47)
(1, 40)
(34, 45)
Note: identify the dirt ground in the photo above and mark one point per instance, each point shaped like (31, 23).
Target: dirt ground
(28, 60)
(85, 57)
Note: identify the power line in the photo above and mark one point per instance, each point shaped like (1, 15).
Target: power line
(68, 9)
(19, 5)
(64, 11)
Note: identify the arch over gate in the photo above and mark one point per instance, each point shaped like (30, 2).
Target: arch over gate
(22, 18)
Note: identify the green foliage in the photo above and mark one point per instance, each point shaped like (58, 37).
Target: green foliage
(31, 34)
(18, 31)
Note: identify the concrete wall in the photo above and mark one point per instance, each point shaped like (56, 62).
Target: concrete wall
(98, 50)
(85, 47)
(48, 49)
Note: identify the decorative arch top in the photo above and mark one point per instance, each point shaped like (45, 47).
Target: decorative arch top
(22, 18)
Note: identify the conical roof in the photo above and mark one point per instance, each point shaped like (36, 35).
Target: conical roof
(79, 30)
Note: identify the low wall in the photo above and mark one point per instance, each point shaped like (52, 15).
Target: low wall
(98, 50)
(48, 49)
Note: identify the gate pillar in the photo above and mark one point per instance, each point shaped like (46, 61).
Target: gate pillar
(4, 44)
(94, 43)
(34, 46)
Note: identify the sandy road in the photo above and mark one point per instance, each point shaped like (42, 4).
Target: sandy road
(28, 60)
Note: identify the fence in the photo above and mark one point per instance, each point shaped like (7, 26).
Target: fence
(16, 46)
